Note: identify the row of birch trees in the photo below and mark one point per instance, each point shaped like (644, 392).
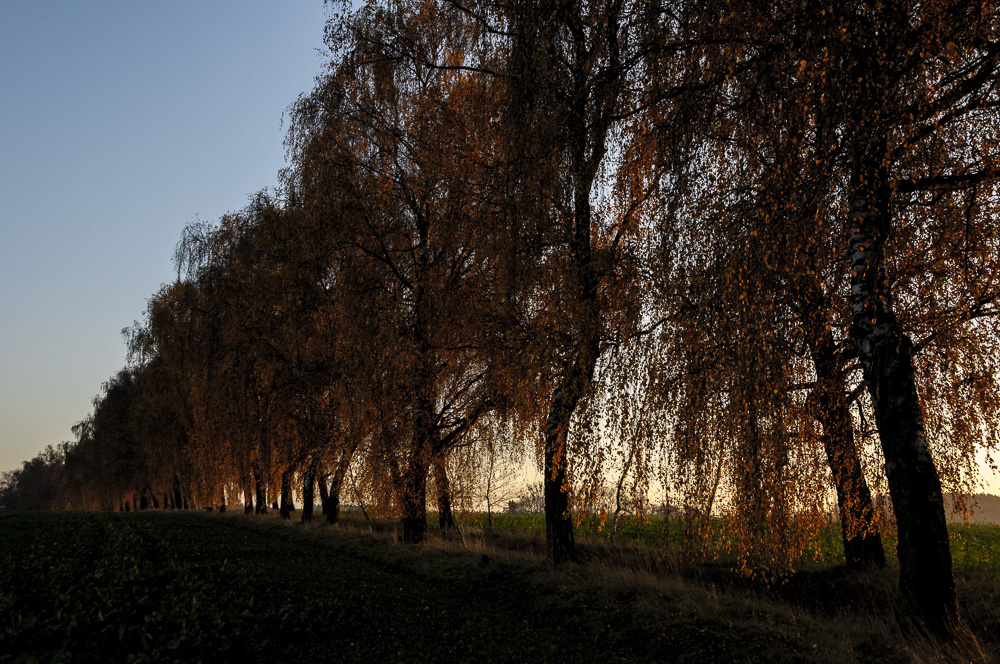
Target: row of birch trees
(741, 253)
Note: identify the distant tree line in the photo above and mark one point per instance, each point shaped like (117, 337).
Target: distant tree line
(746, 251)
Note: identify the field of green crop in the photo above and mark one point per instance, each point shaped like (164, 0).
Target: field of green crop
(175, 587)
(191, 587)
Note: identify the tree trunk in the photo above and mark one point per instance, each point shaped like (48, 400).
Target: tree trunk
(333, 503)
(330, 498)
(414, 480)
(261, 486)
(584, 318)
(331, 506)
(324, 492)
(586, 324)
(247, 495)
(308, 484)
(414, 501)
(178, 502)
(443, 489)
(859, 529)
(287, 506)
(558, 520)
(886, 354)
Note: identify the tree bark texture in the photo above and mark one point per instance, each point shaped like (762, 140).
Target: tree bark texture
(886, 354)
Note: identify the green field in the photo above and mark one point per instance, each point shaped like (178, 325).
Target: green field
(975, 549)
(189, 587)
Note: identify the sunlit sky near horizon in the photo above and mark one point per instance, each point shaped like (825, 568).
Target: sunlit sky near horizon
(120, 123)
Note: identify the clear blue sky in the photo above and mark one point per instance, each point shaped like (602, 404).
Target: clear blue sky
(120, 123)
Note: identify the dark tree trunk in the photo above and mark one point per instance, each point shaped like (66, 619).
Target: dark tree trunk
(578, 113)
(415, 501)
(586, 324)
(287, 506)
(414, 479)
(261, 487)
(331, 498)
(859, 529)
(331, 504)
(308, 488)
(443, 486)
(247, 495)
(152, 497)
(333, 501)
(558, 520)
(143, 503)
(178, 502)
(324, 495)
(886, 352)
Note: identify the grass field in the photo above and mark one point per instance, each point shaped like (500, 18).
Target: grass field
(975, 548)
(189, 587)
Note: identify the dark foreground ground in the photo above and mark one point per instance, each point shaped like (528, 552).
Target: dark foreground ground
(183, 587)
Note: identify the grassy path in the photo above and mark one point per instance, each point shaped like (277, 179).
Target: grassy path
(164, 587)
